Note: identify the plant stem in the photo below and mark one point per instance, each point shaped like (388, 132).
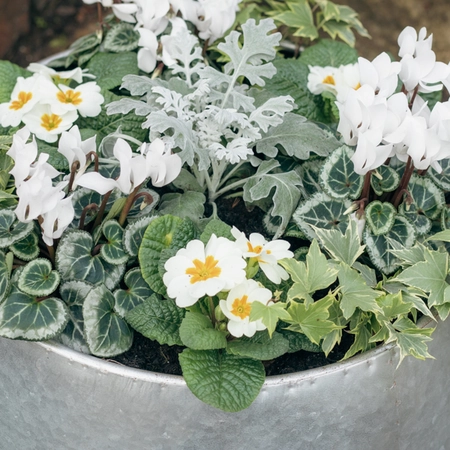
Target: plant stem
(99, 218)
(398, 194)
(128, 204)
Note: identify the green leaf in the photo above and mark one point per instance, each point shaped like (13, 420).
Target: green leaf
(190, 204)
(4, 276)
(11, 230)
(227, 382)
(281, 187)
(38, 278)
(74, 261)
(298, 341)
(321, 211)
(343, 247)
(217, 227)
(338, 177)
(140, 206)
(9, 73)
(387, 181)
(329, 53)
(23, 317)
(261, 346)
(362, 338)
(136, 293)
(402, 234)
(380, 217)
(312, 321)
(27, 248)
(340, 29)
(429, 275)
(133, 234)
(355, 292)
(187, 182)
(56, 159)
(158, 320)
(298, 137)
(112, 251)
(121, 37)
(110, 68)
(197, 332)
(269, 314)
(441, 179)
(299, 17)
(107, 334)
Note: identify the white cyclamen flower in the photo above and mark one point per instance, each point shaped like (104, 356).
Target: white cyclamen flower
(56, 221)
(199, 270)
(267, 253)
(238, 305)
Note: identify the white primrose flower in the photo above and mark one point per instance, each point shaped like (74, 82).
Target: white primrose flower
(56, 221)
(50, 74)
(267, 253)
(26, 94)
(47, 125)
(238, 305)
(105, 3)
(199, 270)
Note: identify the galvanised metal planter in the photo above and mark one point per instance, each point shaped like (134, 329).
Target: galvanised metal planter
(56, 398)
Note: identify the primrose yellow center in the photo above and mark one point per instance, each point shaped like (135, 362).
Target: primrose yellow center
(203, 271)
(69, 97)
(241, 307)
(329, 80)
(357, 86)
(257, 249)
(22, 99)
(50, 121)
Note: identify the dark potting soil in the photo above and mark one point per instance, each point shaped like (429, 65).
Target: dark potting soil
(150, 355)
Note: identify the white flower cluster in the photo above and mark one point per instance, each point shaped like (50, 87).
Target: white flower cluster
(212, 18)
(219, 267)
(380, 121)
(38, 197)
(47, 104)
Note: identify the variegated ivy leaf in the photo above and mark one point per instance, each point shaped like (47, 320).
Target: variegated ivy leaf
(107, 334)
(38, 278)
(338, 177)
(11, 230)
(27, 248)
(260, 346)
(345, 247)
(281, 187)
(4, 276)
(74, 293)
(164, 233)
(134, 231)
(75, 261)
(227, 382)
(190, 204)
(402, 234)
(298, 137)
(135, 294)
(121, 37)
(380, 216)
(113, 250)
(386, 180)
(22, 316)
(269, 314)
(321, 211)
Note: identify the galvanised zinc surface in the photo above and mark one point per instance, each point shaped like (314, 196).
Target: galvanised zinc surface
(55, 398)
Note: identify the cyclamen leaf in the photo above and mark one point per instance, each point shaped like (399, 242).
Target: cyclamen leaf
(380, 217)
(38, 279)
(27, 248)
(133, 234)
(121, 37)
(190, 204)
(4, 276)
(11, 230)
(224, 381)
(112, 251)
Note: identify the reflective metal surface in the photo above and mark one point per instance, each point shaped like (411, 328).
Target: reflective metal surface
(53, 398)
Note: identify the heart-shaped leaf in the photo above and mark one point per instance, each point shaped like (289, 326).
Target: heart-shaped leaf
(380, 217)
(11, 230)
(134, 233)
(113, 251)
(27, 248)
(387, 180)
(38, 278)
(107, 334)
(227, 382)
(4, 276)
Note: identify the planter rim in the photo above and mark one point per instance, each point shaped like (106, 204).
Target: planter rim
(162, 378)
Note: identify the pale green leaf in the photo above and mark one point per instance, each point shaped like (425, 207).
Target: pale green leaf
(197, 332)
(269, 314)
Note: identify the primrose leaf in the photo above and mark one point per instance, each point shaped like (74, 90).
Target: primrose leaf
(298, 137)
(22, 317)
(269, 314)
(158, 320)
(227, 382)
(189, 204)
(329, 53)
(343, 247)
(429, 275)
(312, 321)
(197, 332)
(355, 292)
(261, 346)
(9, 73)
(217, 227)
(107, 334)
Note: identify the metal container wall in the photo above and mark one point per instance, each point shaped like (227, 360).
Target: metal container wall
(53, 398)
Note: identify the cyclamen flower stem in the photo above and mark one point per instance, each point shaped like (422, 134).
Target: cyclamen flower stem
(101, 211)
(51, 254)
(398, 195)
(90, 207)
(128, 204)
(73, 171)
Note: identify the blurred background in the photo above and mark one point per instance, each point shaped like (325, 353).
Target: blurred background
(34, 29)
